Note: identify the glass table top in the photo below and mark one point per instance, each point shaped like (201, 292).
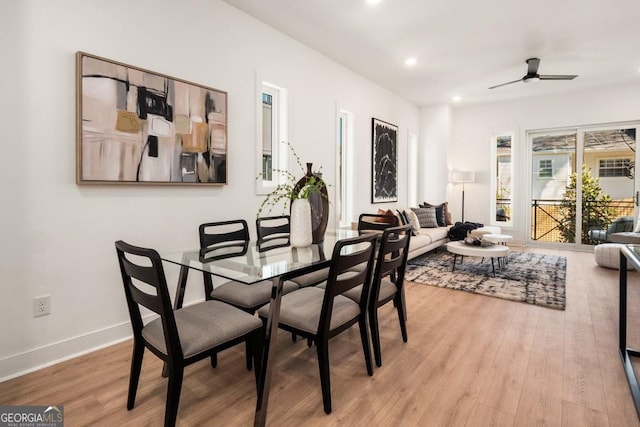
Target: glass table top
(251, 262)
(632, 252)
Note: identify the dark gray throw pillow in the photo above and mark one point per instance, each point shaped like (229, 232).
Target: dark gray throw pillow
(426, 217)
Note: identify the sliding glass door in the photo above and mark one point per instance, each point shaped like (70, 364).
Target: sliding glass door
(583, 184)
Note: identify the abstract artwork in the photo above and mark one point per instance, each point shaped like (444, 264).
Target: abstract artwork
(138, 126)
(385, 162)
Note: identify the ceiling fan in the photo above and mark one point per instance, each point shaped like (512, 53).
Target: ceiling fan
(532, 74)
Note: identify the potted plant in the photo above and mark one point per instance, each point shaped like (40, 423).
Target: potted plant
(297, 193)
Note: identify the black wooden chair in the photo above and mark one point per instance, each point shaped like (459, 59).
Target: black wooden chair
(387, 283)
(179, 337)
(320, 314)
(221, 235)
(273, 232)
(376, 223)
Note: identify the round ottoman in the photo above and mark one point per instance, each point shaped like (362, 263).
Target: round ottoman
(608, 255)
(487, 229)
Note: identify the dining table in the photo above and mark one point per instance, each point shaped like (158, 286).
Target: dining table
(629, 255)
(250, 262)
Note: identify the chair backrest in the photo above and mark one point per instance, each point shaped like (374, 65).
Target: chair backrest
(221, 232)
(273, 231)
(347, 254)
(145, 284)
(391, 259)
(368, 223)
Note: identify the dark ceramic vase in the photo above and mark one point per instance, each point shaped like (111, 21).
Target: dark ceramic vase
(319, 205)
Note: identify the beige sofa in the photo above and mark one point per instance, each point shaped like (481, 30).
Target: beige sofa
(427, 239)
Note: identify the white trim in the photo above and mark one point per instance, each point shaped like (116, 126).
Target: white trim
(41, 357)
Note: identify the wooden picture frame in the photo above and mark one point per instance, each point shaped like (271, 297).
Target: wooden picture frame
(135, 126)
(384, 162)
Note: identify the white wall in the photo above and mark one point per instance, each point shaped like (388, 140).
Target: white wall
(473, 125)
(435, 159)
(57, 237)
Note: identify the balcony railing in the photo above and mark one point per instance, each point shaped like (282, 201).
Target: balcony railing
(546, 221)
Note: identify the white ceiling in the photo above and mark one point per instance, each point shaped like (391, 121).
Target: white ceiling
(465, 46)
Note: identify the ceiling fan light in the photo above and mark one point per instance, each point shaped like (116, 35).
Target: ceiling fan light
(532, 79)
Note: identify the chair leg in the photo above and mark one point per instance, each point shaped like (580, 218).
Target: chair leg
(214, 360)
(257, 343)
(402, 315)
(364, 336)
(134, 376)
(375, 335)
(249, 355)
(325, 381)
(173, 395)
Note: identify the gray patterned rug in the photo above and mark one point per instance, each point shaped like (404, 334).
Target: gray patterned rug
(528, 277)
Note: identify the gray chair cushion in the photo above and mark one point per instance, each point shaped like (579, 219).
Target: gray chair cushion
(345, 275)
(248, 296)
(203, 326)
(387, 289)
(301, 309)
(311, 279)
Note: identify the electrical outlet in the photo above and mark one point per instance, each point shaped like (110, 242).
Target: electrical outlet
(42, 306)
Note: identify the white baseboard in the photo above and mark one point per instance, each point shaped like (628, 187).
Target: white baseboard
(42, 357)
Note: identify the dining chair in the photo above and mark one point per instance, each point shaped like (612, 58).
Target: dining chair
(387, 282)
(320, 314)
(273, 232)
(179, 337)
(214, 235)
(375, 223)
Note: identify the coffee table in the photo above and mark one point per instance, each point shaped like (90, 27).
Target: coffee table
(462, 249)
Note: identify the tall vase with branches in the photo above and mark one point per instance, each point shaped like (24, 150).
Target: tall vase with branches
(292, 191)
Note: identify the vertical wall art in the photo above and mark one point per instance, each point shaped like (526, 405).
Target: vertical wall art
(138, 126)
(385, 162)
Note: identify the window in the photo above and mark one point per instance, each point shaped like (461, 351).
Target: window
(614, 168)
(272, 133)
(344, 189)
(267, 137)
(545, 168)
(501, 179)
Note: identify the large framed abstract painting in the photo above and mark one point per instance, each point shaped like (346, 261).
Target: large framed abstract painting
(385, 162)
(138, 126)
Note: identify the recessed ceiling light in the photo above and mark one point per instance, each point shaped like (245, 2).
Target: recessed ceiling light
(373, 1)
(410, 62)
(456, 98)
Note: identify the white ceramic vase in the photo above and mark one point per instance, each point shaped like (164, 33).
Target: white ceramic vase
(301, 232)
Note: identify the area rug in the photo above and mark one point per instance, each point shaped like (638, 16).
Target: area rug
(532, 278)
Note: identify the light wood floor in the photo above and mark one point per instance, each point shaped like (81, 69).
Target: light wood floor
(470, 361)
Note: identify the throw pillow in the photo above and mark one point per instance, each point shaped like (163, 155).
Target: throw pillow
(445, 210)
(403, 220)
(413, 220)
(426, 217)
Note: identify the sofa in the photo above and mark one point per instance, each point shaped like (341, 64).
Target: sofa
(427, 239)
(619, 225)
(424, 240)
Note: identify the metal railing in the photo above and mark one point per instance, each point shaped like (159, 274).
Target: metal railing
(547, 222)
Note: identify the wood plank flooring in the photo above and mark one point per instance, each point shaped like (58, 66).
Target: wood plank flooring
(470, 361)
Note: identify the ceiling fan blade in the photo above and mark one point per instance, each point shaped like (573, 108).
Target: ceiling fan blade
(533, 64)
(558, 77)
(504, 84)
